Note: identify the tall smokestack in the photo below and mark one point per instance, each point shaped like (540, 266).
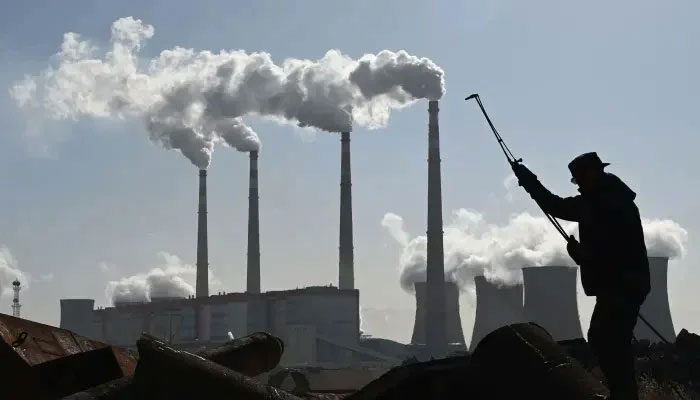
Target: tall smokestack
(202, 289)
(436, 332)
(253, 228)
(346, 274)
(656, 309)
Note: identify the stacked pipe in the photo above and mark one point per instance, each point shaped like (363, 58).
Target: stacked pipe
(229, 364)
(523, 361)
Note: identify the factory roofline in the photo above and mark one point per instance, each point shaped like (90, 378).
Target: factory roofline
(231, 297)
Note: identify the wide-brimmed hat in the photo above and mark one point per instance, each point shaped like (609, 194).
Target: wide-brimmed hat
(586, 161)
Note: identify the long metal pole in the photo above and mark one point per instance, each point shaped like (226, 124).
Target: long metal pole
(512, 160)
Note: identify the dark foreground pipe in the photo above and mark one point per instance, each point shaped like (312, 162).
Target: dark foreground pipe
(166, 373)
(250, 355)
(523, 361)
(446, 378)
(118, 389)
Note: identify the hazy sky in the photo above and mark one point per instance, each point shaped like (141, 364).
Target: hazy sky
(85, 202)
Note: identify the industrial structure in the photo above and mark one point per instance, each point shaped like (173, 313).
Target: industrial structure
(436, 335)
(15, 298)
(550, 300)
(346, 268)
(318, 324)
(656, 309)
(453, 322)
(202, 312)
(496, 307)
(253, 261)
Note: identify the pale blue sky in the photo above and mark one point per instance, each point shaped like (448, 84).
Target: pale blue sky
(558, 78)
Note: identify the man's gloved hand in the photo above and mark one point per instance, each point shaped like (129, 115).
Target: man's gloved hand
(573, 247)
(525, 177)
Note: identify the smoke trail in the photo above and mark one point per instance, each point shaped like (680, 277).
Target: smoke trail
(474, 247)
(394, 224)
(9, 271)
(170, 279)
(192, 100)
(664, 238)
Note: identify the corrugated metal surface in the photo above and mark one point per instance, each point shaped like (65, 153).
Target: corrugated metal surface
(45, 343)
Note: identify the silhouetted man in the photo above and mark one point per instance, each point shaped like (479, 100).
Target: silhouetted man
(612, 256)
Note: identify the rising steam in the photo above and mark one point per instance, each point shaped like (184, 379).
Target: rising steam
(474, 247)
(190, 100)
(172, 278)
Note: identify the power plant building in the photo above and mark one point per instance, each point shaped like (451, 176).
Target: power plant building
(656, 309)
(318, 324)
(453, 322)
(550, 300)
(496, 307)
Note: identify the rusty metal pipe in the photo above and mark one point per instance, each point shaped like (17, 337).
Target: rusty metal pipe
(166, 373)
(533, 365)
(250, 355)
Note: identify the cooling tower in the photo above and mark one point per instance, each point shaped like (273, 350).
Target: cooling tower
(346, 274)
(202, 289)
(453, 323)
(496, 307)
(76, 316)
(656, 309)
(436, 335)
(550, 300)
(253, 271)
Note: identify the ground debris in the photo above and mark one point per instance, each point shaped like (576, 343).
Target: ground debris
(166, 373)
(517, 361)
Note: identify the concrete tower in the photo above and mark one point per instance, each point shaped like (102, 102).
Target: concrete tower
(656, 309)
(436, 328)
(15, 299)
(76, 316)
(453, 322)
(202, 289)
(253, 271)
(346, 274)
(202, 284)
(550, 300)
(496, 307)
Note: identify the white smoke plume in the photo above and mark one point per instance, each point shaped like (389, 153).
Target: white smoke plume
(473, 247)
(172, 278)
(9, 272)
(664, 238)
(190, 100)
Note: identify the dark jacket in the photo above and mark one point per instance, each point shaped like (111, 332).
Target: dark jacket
(614, 258)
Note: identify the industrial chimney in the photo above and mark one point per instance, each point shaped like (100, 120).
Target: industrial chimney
(202, 289)
(496, 307)
(656, 309)
(253, 271)
(202, 284)
(453, 322)
(436, 336)
(346, 274)
(550, 300)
